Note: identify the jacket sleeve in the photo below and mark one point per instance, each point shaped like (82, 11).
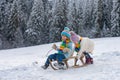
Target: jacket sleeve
(70, 46)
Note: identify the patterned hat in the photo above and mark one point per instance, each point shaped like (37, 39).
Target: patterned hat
(66, 33)
(74, 37)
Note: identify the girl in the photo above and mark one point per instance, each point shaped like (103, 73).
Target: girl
(83, 46)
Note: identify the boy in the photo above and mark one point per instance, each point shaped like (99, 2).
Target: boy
(64, 51)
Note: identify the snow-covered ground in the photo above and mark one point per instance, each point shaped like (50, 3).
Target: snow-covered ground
(17, 64)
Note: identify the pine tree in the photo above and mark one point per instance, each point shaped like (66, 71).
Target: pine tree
(9, 26)
(115, 21)
(89, 16)
(59, 19)
(5, 8)
(93, 13)
(45, 30)
(107, 8)
(79, 20)
(14, 35)
(72, 16)
(35, 24)
(75, 16)
(13, 23)
(24, 10)
(99, 20)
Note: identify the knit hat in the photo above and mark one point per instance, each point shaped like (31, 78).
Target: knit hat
(74, 37)
(66, 33)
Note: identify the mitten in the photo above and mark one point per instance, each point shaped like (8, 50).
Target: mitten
(66, 50)
(54, 46)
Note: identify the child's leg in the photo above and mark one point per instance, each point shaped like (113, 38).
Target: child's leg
(89, 59)
(60, 57)
(75, 64)
(50, 57)
(87, 55)
(81, 59)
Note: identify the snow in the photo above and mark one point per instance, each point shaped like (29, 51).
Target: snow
(17, 64)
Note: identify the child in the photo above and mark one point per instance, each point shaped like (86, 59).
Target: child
(64, 51)
(83, 46)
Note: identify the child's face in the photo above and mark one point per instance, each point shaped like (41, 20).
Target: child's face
(75, 42)
(64, 38)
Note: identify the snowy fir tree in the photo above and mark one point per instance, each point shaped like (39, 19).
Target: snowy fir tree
(45, 30)
(106, 31)
(72, 16)
(15, 36)
(75, 16)
(79, 20)
(115, 21)
(35, 24)
(24, 10)
(88, 17)
(59, 19)
(9, 23)
(99, 19)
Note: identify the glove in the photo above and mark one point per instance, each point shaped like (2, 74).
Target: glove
(54, 46)
(66, 50)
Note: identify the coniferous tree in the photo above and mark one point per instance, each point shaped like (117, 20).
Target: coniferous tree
(115, 21)
(24, 10)
(79, 20)
(107, 8)
(89, 14)
(14, 36)
(75, 16)
(45, 30)
(35, 24)
(59, 19)
(93, 12)
(5, 11)
(99, 20)
(72, 16)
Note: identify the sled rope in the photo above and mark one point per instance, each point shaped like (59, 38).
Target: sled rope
(48, 52)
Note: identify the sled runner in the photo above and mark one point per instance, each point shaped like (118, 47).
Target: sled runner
(66, 65)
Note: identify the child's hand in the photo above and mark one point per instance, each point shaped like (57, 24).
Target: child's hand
(66, 50)
(54, 46)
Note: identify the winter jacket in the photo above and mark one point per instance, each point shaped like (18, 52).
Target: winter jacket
(67, 54)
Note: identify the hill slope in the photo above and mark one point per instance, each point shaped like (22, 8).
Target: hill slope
(16, 64)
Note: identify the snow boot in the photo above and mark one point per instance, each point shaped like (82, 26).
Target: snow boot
(45, 66)
(61, 66)
(89, 60)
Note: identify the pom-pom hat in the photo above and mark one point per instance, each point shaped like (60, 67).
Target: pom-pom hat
(74, 37)
(66, 32)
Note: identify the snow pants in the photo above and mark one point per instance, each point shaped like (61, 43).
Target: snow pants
(56, 56)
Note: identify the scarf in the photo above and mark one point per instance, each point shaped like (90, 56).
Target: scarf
(63, 45)
(77, 46)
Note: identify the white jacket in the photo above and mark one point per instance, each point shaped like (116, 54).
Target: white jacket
(87, 45)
